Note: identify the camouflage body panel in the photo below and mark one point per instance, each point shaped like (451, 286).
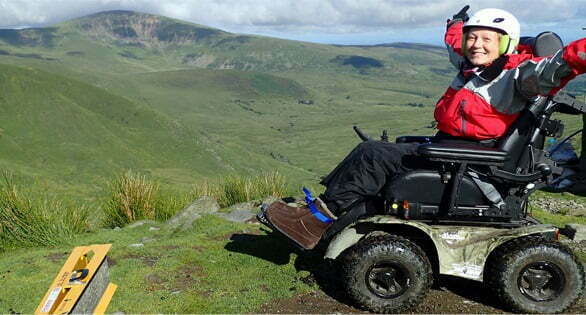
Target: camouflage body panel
(462, 250)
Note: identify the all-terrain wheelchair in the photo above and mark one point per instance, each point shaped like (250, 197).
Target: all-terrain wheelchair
(482, 185)
(466, 216)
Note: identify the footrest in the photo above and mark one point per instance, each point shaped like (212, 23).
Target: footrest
(298, 223)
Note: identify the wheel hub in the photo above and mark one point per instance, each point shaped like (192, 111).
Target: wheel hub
(541, 281)
(388, 280)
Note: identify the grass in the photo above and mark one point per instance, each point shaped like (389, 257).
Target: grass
(558, 220)
(173, 273)
(215, 267)
(76, 136)
(168, 203)
(233, 189)
(29, 219)
(132, 198)
(208, 269)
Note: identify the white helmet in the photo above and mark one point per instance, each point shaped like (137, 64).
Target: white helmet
(500, 20)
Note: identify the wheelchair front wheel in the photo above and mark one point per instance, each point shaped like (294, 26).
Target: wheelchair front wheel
(386, 274)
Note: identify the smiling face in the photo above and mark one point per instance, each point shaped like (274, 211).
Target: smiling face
(482, 45)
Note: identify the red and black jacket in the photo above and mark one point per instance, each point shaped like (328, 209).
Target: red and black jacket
(483, 103)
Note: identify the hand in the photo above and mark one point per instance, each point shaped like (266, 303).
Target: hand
(462, 15)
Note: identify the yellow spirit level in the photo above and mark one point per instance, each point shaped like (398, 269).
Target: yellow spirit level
(82, 286)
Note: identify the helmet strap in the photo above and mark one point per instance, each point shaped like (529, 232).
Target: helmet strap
(513, 46)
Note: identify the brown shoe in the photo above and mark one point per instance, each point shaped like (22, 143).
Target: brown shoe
(298, 223)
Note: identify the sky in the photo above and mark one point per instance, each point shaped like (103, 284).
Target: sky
(357, 22)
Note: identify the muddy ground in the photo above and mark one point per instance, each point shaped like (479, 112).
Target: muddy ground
(449, 295)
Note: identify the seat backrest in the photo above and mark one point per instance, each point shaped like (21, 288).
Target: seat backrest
(543, 45)
(520, 132)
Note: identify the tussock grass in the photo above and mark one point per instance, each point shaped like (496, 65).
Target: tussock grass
(132, 198)
(168, 203)
(28, 219)
(234, 189)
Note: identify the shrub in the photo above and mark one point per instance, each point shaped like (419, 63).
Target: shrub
(29, 219)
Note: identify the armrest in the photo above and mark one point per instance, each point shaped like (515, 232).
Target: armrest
(458, 152)
(543, 172)
(418, 139)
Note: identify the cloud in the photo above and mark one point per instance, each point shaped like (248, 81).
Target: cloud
(296, 16)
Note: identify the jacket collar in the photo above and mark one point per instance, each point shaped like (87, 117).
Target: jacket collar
(487, 73)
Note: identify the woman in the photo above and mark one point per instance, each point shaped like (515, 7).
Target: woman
(493, 85)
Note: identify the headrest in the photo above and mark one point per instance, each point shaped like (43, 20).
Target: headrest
(544, 44)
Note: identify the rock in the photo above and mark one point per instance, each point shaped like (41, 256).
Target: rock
(249, 205)
(154, 228)
(184, 219)
(146, 240)
(241, 215)
(140, 223)
(577, 212)
(560, 206)
(240, 212)
(270, 199)
(136, 245)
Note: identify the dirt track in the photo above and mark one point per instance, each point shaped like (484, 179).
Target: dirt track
(450, 295)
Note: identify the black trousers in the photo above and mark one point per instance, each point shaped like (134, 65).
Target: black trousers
(365, 170)
(371, 164)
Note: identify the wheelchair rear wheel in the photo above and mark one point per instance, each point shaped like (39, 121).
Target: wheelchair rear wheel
(536, 276)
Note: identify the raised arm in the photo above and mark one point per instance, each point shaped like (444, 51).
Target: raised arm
(546, 76)
(453, 40)
(453, 37)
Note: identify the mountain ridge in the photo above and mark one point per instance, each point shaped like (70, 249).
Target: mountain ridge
(127, 31)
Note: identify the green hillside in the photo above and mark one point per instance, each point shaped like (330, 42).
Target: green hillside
(75, 135)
